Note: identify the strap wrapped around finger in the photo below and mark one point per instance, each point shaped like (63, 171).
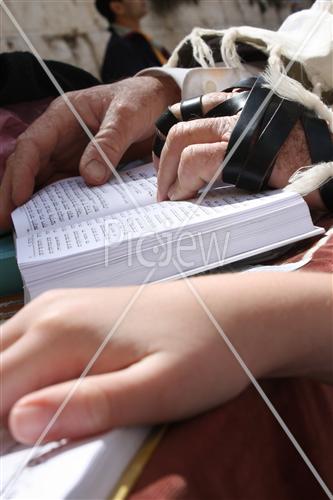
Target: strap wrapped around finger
(191, 109)
(229, 107)
(165, 122)
(158, 145)
(264, 125)
(163, 125)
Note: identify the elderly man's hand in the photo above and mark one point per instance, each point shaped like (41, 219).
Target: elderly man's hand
(194, 151)
(56, 146)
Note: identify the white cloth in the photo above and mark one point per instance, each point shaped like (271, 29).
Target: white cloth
(308, 36)
(305, 36)
(198, 81)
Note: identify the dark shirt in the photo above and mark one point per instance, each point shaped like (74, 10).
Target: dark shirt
(126, 55)
(22, 78)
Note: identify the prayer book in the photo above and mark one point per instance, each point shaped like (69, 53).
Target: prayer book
(85, 469)
(73, 235)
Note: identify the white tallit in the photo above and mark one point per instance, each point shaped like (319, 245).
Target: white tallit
(305, 37)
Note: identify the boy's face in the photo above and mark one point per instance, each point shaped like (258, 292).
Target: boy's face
(134, 9)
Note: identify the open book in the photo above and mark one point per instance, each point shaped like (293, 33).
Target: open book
(72, 235)
(87, 469)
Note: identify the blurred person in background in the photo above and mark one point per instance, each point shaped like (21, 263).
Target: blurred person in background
(129, 50)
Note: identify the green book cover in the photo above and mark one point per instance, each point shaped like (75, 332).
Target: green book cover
(10, 277)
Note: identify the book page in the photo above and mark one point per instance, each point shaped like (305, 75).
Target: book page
(232, 200)
(70, 201)
(95, 234)
(83, 469)
(112, 230)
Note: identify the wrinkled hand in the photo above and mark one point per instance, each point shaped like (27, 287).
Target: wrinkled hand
(167, 366)
(194, 150)
(55, 145)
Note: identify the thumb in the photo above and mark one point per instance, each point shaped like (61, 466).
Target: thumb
(103, 153)
(97, 404)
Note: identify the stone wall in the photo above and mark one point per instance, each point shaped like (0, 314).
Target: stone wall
(64, 30)
(72, 30)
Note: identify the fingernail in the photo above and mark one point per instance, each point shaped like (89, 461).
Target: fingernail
(27, 422)
(96, 171)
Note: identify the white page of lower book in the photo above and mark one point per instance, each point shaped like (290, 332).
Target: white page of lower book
(83, 470)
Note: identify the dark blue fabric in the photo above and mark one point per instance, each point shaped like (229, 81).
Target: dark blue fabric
(126, 55)
(23, 79)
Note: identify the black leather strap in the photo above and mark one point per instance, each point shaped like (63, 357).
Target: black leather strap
(166, 121)
(326, 192)
(279, 119)
(158, 145)
(318, 137)
(229, 107)
(191, 109)
(246, 83)
(265, 125)
(248, 124)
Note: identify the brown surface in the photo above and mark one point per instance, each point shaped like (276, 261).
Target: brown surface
(9, 305)
(239, 451)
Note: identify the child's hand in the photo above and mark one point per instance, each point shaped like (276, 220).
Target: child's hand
(164, 357)
(160, 363)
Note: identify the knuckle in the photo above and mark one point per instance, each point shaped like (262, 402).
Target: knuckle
(225, 125)
(219, 126)
(50, 296)
(178, 131)
(52, 313)
(123, 109)
(189, 153)
(176, 136)
(88, 102)
(215, 124)
(46, 327)
(58, 103)
(75, 97)
(78, 99)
